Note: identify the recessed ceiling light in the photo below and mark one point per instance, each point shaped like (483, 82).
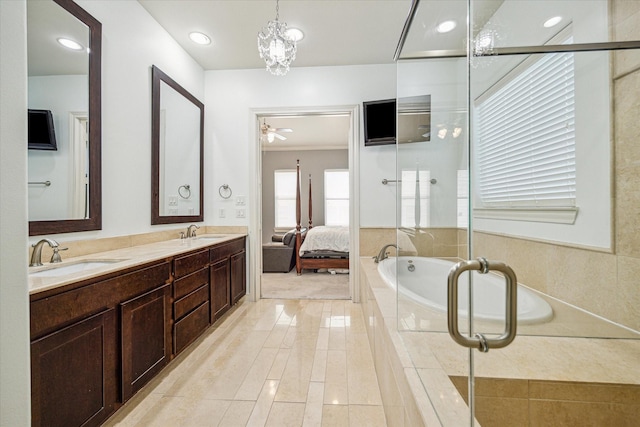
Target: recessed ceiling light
(295, 34)
(446, 26)
(552, 21)
(199, 38)
(70, 44)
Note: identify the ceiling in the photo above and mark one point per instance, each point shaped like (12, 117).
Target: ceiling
(337, 32)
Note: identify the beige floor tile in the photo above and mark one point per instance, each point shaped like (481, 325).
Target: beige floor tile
(257, 374)
(207, 413)
(336, 394)
(238, 414)
(366, 416)
(335, 416)
(279, 364)
(319, 370)
(285, 414)
(296, 376)
(313, 408)
(263, 405)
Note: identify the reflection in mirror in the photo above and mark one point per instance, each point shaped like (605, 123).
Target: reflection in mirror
(64, 48)
(414, 119)
(177, 152)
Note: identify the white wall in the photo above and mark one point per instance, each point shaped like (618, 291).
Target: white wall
(231, 96)
(15, 396)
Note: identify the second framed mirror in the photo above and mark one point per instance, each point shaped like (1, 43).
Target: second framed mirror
(177, 145)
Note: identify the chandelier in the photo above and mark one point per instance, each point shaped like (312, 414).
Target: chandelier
(276, 48)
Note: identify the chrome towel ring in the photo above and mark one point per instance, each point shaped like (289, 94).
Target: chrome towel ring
(225, 191)
(184, 191)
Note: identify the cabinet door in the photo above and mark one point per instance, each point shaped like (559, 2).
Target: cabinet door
(238, 276)
(146, 338)
(73, 373)
(220, 290)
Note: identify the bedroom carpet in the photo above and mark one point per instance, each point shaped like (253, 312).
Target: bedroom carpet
(321, 285)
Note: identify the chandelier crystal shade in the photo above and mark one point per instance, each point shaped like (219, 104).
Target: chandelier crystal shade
(276, 48)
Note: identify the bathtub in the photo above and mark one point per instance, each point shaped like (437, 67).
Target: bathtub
(427, 285)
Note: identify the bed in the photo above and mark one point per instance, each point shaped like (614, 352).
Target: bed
(320, 246)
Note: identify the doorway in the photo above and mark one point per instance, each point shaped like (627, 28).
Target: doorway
(312, 136)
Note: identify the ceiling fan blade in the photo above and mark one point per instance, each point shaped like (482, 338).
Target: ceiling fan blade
(283, 130)
(280, 137)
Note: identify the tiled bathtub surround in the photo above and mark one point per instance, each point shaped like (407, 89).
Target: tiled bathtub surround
(414, 368)
(601, 283)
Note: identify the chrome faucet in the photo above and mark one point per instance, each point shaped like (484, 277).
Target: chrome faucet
(192, 233)
(36, 255)
(383, 254)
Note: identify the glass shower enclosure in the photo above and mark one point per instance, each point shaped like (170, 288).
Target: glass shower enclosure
(517, 152)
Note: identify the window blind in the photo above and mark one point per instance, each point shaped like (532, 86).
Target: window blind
(336, 197)
(285, 198)
(526, 137)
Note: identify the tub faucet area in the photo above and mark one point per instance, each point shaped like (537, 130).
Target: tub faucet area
(383, 254)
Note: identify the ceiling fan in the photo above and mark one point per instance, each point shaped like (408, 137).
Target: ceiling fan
(270, 134)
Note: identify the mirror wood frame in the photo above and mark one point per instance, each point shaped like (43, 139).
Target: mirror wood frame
(94, 222)
(158, 76)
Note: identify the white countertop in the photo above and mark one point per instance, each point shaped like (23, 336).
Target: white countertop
(120, 259)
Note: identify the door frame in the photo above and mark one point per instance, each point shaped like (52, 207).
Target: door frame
(255, 191)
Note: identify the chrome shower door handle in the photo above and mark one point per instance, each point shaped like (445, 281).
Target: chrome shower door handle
(479, 341)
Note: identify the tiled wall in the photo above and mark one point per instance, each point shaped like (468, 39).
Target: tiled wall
(501, 402)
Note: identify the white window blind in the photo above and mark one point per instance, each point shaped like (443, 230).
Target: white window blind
(285, 198)
(336, 197)
(526, 137)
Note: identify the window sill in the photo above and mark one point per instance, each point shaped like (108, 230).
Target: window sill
(549, 214)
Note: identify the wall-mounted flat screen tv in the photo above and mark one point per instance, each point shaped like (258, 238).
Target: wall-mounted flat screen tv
(42, 135)
(379, 122)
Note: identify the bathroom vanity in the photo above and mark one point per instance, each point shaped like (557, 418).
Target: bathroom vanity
(97, 336)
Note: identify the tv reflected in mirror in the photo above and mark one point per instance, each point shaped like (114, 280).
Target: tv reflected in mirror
(42, 134)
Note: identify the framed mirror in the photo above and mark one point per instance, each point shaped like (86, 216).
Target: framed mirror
(64, 99)
(177, 146)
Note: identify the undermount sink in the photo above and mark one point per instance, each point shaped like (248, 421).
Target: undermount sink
(76, 267)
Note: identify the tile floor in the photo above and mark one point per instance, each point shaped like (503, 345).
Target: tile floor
(269, 363)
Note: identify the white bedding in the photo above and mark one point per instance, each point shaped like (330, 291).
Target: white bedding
(323, 238)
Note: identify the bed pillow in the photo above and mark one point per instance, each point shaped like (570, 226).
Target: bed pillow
(289, 239)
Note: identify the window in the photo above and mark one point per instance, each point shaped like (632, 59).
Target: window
(526, 136)
(415, 197)
(285, 198)
(336, 197)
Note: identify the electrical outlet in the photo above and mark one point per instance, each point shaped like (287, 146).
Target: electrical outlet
(239, 213)
(240, 201)
(221, 213)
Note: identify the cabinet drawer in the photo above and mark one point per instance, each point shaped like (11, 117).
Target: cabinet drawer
(190, 263)
(190, 301)
(226, 249)
(190, 327)
(188, 284)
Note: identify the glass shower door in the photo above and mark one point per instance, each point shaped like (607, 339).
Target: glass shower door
(541, 177)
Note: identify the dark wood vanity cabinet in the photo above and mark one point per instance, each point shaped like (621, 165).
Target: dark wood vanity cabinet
(89, 344)
(227, 276)
(238, 276)
(73, 373)
(145, 326)
(191, 298)
(96, 342)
